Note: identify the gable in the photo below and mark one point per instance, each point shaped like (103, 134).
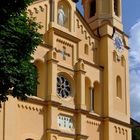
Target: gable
(74, 31)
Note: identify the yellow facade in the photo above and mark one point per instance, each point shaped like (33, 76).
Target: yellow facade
(83, 74)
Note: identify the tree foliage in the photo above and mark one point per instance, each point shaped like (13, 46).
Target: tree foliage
(135, 133)
(18, 41)
(135, 130)
(10, 8)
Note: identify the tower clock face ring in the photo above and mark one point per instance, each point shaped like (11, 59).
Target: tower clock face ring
(63, 87)
(118, 42)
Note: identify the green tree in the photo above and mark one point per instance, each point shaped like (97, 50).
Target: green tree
(135, 133)
(135, 129)
(10, 8)
(18, 41)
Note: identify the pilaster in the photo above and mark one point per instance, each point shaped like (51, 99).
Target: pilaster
(80, 85)
(81, 126)
(52, 10)
(51, 60)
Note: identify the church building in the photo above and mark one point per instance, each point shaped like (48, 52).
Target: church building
(83, 90)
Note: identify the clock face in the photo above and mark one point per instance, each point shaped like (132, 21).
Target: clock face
(118, 42)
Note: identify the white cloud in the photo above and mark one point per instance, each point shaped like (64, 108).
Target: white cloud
(134, 59)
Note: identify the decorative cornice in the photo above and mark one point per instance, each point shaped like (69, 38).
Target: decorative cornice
(44, 103)
(93, 123)
(37, 9)
(71, 110)
(46, 45)
(85, 112)
(64, 42)
(55, 131)
(86, 25)
(81, 136)
(66, 134)
(114, 29)
(116, 121)
(30, 107)
(66, 35)
(94, 116)
(120, 130)
(38, 1)
(60, 133)
(93, 65)
(67, 68)
(85, 32)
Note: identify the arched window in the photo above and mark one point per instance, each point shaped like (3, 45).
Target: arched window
(114, 56)
(118, 87)
(123, 61)
(87, 93)
(92, 8)
(97, 101)
(63, 87)
(86, 49)
(92, 96)
(116, 7)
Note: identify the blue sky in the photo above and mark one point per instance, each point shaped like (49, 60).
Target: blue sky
(131, 21)
(131, 14)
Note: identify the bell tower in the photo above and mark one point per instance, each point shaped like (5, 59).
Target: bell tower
(105, 20)
(100, 12)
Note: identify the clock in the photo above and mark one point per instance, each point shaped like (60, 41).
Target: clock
(118, 42)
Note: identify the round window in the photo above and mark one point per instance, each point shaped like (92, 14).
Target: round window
(63, 87)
